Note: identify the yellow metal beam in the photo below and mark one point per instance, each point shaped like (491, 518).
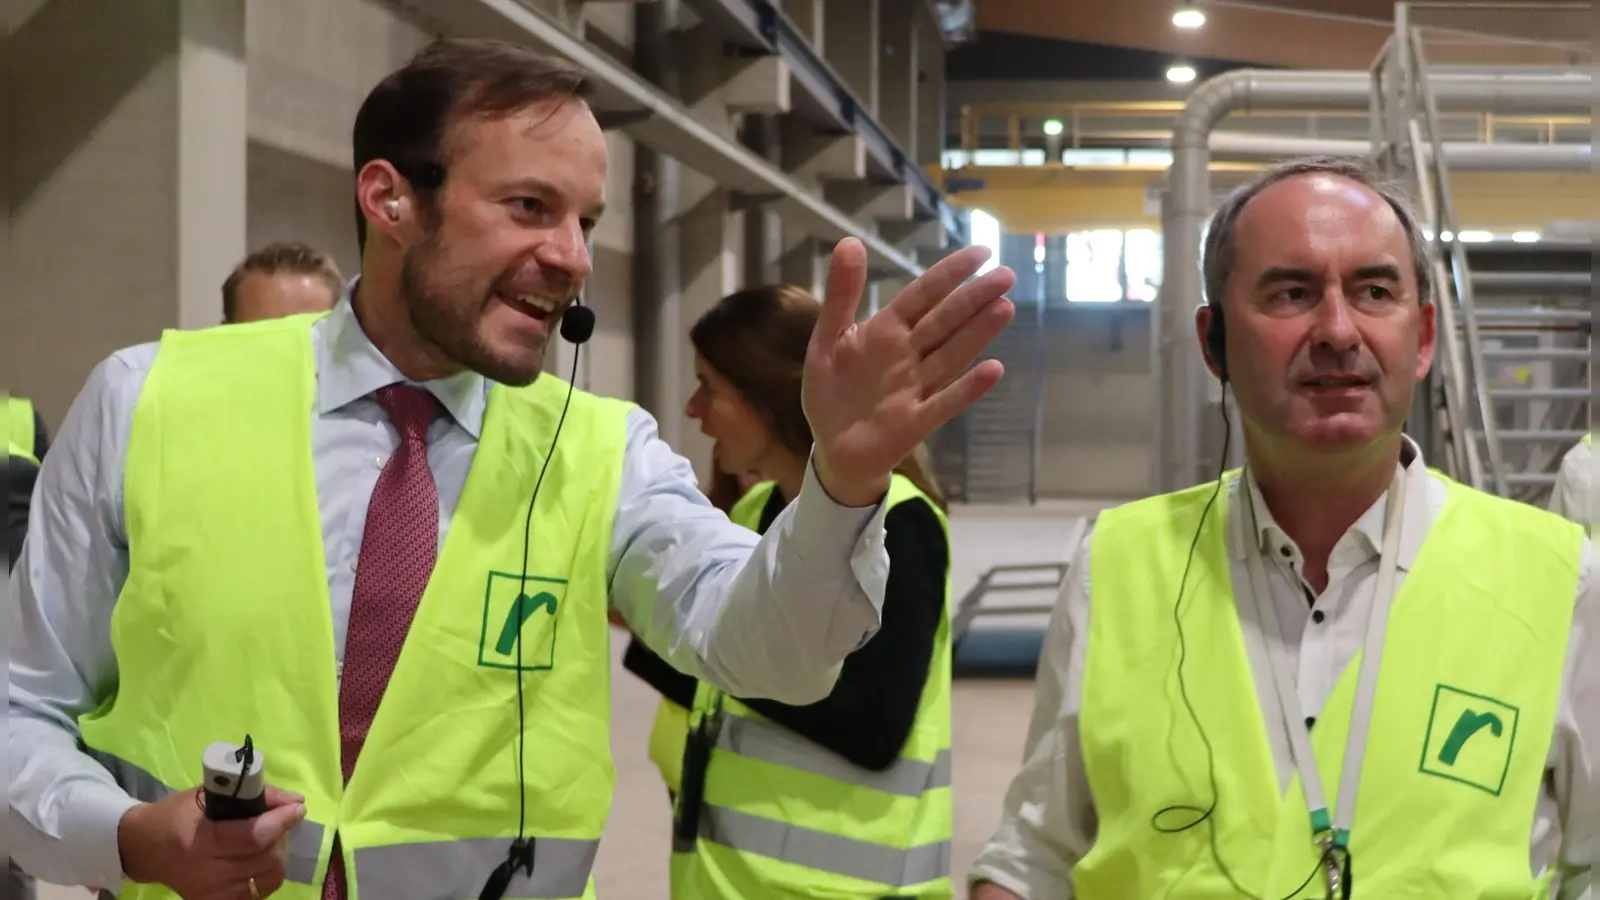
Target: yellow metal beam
(1055, 198)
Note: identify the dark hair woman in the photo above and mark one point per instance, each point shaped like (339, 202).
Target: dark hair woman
(868, 764)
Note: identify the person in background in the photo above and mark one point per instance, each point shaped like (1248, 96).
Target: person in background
(354, 538)
(1336, 669)
(27, 442)
(26, 430)
(867, 765)
(1571, 497)
(281, 279)
(727, 487)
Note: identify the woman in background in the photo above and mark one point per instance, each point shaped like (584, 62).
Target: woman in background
(762, 789)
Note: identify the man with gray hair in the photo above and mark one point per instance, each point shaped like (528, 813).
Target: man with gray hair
(1335, 662)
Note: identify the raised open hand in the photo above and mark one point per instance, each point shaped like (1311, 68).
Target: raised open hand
(873, 390)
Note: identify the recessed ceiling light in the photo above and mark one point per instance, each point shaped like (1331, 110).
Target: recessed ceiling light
(1180, 74)
(1052, 127)
(1187, 16)
(1526, 237)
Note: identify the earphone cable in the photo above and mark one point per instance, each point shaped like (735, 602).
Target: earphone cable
(1205, 815)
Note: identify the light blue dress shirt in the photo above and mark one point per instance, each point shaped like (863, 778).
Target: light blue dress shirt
(771, 616)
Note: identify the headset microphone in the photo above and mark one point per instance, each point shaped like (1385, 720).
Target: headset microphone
(577, 326)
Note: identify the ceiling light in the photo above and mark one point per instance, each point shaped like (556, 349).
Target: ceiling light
(1052, 127)
(1180, 74)
(1187, 16)
(1447, 236)
(1475, 237)
(1526, 237)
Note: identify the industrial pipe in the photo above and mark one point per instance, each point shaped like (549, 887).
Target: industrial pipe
(1236, 146)
(1182, 379)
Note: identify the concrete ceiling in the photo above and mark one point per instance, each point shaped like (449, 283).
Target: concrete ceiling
(1314, 34)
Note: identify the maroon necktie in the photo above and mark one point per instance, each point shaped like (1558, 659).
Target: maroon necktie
(398, 549)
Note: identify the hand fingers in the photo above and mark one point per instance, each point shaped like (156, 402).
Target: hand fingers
(952, 313)
(935, 284)
(246, 837)
(946, 404)
(269, 874)
(847, 279)
(277, 797)
(952, 357)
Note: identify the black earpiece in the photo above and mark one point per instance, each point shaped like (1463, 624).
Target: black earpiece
(1217, 340)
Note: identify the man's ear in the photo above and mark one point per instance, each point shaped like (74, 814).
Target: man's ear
(1202, 326)
(385, 199)
(1427, 338)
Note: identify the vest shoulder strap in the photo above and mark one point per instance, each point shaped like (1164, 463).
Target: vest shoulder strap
(747, 511)
(22, 434)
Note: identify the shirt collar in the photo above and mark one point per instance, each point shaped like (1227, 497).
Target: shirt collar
(1365, 537)
(350, 366)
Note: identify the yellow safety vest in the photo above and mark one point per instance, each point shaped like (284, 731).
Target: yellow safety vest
(223, 629)
(671, 726)
(785, 819)
(1477, 636)
(20, 436)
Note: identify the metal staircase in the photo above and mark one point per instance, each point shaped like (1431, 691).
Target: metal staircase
(990, 454)
(1510, 384)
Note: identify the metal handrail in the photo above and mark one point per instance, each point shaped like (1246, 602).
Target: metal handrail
(971, 602)
(1458, 266)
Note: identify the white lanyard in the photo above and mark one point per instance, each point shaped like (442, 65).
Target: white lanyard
(1332, 832)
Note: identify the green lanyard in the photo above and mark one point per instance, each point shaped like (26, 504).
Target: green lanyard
(1332, 831)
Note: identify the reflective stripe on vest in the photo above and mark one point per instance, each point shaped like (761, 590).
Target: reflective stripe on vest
(1463, 715)
(412, 871)
(222, 628)
(780, 816)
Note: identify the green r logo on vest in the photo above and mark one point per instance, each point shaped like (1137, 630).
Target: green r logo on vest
(531, 609)
(1470, 738)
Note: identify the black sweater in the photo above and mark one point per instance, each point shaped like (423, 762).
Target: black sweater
(868, 717)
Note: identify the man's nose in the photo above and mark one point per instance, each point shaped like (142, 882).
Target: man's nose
(567, 249)
(1334, 326)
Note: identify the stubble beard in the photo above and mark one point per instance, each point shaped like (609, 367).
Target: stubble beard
(442, 316)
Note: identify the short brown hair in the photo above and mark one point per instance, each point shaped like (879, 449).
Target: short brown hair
(407, 118)
(1218, 256)
(757, 339)
(283, 257)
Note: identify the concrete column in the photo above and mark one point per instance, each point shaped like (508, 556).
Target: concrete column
(805, 263)
(808, 17)
(213, 139)
(850, 45)
(930, 97)
(127, 182)
(710, 233)
(763, 228)
(898, 64)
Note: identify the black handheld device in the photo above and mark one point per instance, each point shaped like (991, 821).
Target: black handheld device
(235, 783)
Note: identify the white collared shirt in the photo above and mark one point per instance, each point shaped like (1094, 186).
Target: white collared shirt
(778, 627)
(1573, 495)
(1049, 822)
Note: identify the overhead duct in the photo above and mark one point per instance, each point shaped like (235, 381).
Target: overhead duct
(1459, 156)
(1183, 383)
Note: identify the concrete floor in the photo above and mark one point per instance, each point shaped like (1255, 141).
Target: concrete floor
(990, 722)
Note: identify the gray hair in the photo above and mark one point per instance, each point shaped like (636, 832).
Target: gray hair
(1218, 255)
